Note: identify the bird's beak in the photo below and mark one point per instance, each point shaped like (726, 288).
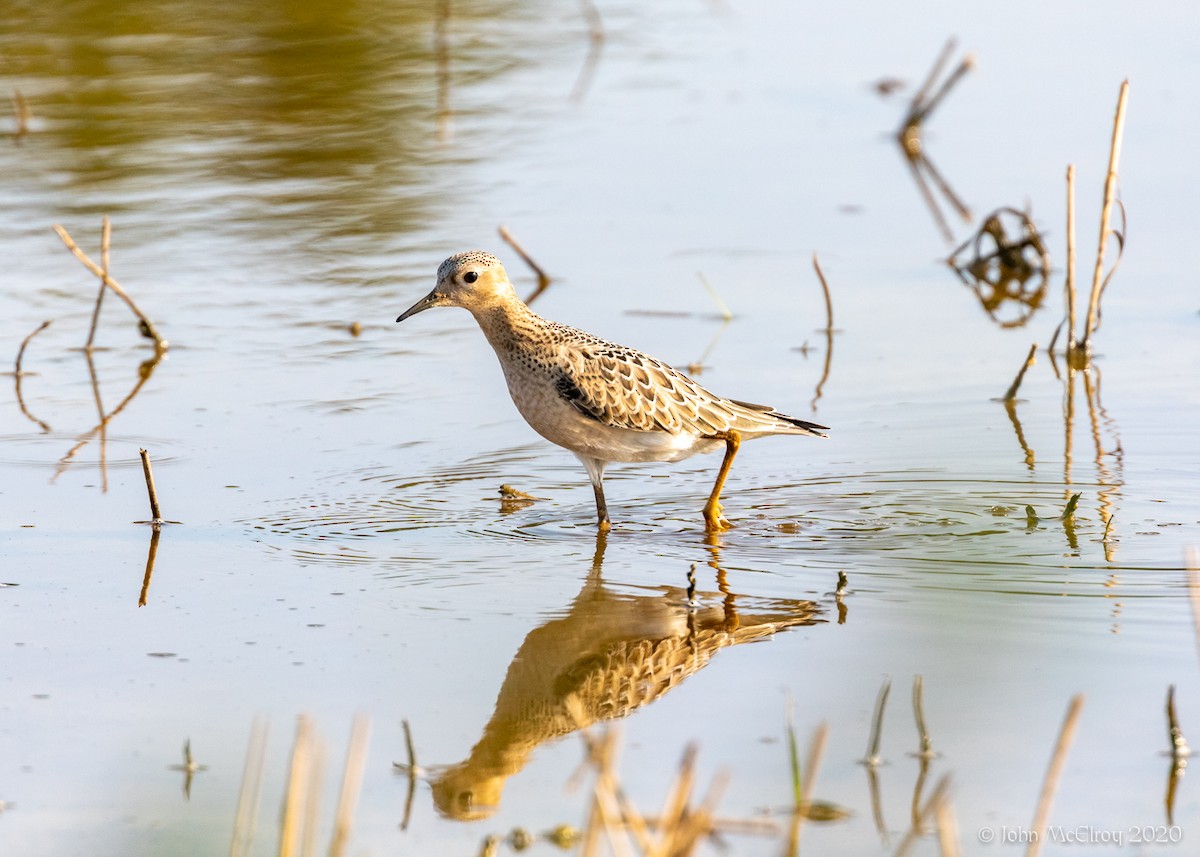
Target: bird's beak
(430, 300)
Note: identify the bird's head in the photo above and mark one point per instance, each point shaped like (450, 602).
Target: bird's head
(471, 280)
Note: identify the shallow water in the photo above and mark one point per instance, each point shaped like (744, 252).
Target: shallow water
(277, 175)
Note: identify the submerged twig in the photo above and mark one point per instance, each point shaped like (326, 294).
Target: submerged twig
(147, 327)
(1050, 784)
(542, 277)
(712, 293)
(411, 769)
(824, 291)
(18, 374)
(1011, 393)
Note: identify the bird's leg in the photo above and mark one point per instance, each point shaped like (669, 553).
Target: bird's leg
(601, 507)
(713, 519)
(595, 471)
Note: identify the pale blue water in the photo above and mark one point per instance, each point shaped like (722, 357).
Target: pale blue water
(276, 174)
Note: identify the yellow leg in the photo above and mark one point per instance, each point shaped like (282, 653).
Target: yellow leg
(713, 519)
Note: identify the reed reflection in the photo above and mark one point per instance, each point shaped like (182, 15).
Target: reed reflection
(616, 649)
(1007, 265)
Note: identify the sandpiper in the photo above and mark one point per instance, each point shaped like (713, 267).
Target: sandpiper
(603, 402)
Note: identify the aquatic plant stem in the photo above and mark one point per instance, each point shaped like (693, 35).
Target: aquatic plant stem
(1011, 393)
(1070, 286)
(1110, 190)
(155, 514)
(542, 277)
(1050, 783)
(160, 344)
(105, 240)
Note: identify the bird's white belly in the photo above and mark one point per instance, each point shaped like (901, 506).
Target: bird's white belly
(557, 420)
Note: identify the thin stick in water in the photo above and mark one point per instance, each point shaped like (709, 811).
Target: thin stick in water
(876, 738)
(248, 796)
(825, 292)
(1070, 287)
(351, 784)
(1193, 584)
(1110, 190)
(105, 240)
(18, 373)
(156, 517)
(926, 750)
(147, 326)
(1050, 783)
(542, 277)
(1011, 393)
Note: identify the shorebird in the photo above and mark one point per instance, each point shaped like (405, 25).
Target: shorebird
(602, 401)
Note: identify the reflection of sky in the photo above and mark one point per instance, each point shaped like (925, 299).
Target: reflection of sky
(274, 176)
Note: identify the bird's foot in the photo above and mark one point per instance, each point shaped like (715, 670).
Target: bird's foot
(714, 520)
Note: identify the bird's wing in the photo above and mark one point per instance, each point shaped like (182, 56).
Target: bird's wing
(627, 389)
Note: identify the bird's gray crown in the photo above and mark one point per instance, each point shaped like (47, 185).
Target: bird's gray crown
(452, 264)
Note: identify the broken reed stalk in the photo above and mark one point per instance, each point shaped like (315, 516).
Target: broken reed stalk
(251, 789)
(824, 291)
(542, 276)
(876, 738)
(160, 344)
(1110, 190)
(1050, 783)
(24, 345)
(356, 757)
(22, 113)
(156, 517)
(148, 574)
(1193, 584)
(105, 240)
(1070, 259)
(1011, 394)
(932, 804)
(918, 694)
(412, 775)
(1179, 744)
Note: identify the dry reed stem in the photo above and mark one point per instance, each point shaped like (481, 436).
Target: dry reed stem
(25, 344)
(876, 738)
(825, 292)
(412, 775)
(918, 695)
(918, 99)
(1193, 583)
(935, 799)
(291, 833)
(712, 293)
(160, 344)
(352, 776)
(1110, 189)
(947, 829)
(251, 788)
(1011, 393)
(542, 277)
(812, 761)
(105, 240)
(1050, 784)
(18, 373)
(1070, 287)
(151, 555)
(22, 114)
(155, 513)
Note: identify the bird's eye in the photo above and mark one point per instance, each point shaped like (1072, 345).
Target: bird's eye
(470, 277)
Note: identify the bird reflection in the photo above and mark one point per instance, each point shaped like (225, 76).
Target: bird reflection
(614, 650)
